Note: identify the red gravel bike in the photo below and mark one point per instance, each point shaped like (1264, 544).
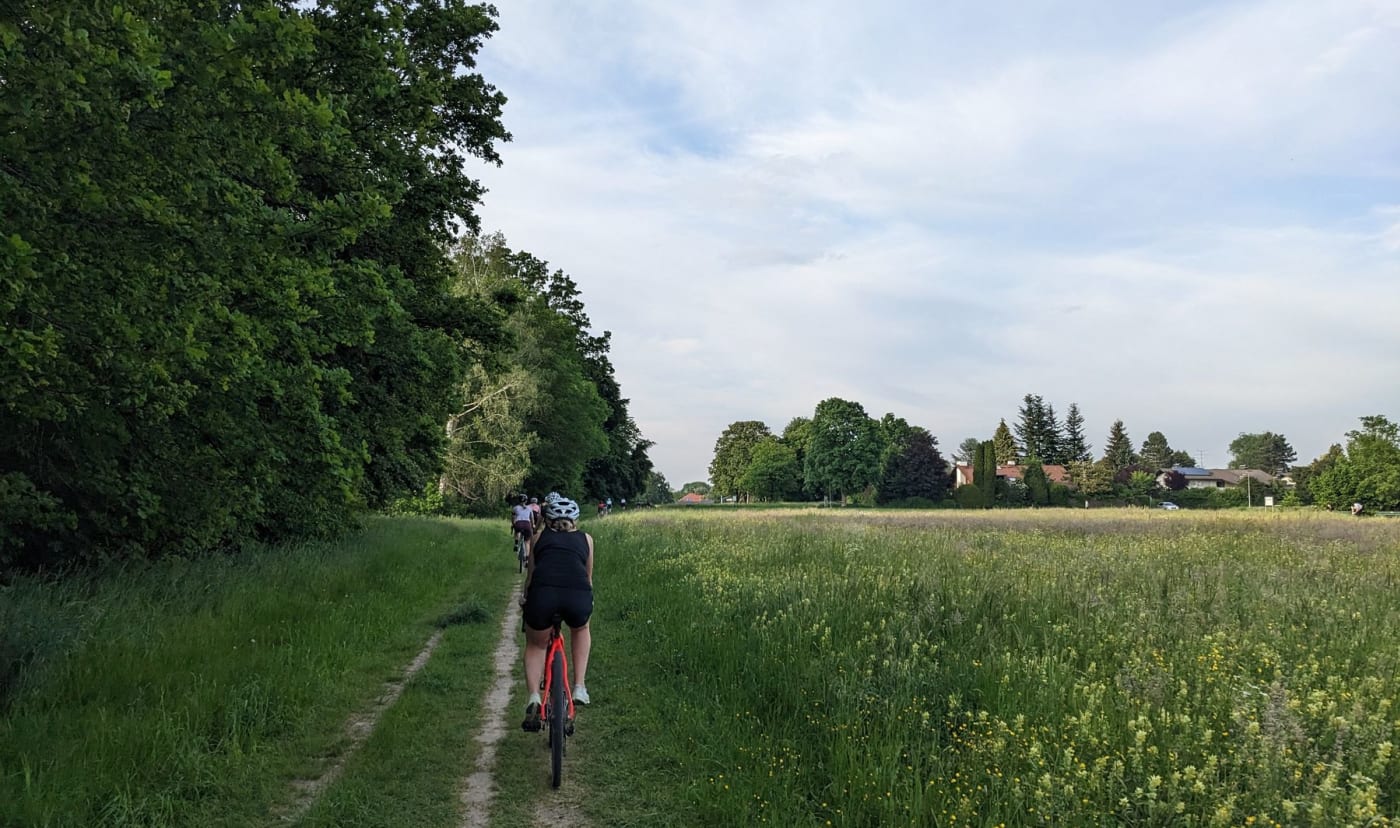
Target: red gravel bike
(557, 710)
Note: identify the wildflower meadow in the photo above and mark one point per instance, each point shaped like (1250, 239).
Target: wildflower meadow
(1038, 668)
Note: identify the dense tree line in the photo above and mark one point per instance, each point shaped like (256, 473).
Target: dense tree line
(231, 306)
(1366, 471)
(839, 452)
(545, 412)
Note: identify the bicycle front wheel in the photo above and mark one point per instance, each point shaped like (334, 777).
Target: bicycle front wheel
(558, 716)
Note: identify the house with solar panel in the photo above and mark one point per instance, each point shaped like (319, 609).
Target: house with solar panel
(1197, 478)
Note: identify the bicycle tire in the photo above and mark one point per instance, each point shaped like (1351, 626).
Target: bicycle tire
(558, 714)
(519, 555)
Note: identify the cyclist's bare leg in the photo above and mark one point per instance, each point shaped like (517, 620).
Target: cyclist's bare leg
(536, 642)
(580, 641)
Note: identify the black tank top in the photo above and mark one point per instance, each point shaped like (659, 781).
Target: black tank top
(561, 560)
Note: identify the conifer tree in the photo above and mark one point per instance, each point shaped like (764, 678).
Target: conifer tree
(1119, 452)
(1054, 439)
(1156, 453)
(1007, 450)
(1076, 447)
(984, 474)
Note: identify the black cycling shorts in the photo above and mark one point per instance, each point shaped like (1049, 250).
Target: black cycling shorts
(542, 602)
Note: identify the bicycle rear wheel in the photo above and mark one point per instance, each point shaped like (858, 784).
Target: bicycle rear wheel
(558, 716)
(519, 554)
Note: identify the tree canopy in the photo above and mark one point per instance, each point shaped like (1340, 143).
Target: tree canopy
(845, 450)
(227, 309)
(1267, 451)
(235, 304)
(1369, 470)
(733, 453)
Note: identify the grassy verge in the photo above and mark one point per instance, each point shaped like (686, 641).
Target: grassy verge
(191, 692)
(1055, 668)
(410, 771)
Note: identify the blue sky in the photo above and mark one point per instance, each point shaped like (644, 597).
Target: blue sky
(1182, 215)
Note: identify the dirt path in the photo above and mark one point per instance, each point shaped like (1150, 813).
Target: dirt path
(561, 812)
(357, 730)
(479, 788)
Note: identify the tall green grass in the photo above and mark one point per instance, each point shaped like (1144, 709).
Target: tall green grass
(192, 692)
(1051, 668)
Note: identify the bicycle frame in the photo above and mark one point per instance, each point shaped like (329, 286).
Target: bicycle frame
(556, 644)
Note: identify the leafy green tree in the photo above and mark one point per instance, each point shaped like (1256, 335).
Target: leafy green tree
(1139, 485)
(699, 487)
(226, 309)
(1369, 473)
(1378, 429)
(1091, 480)
(1076, 447)
(798, 434)
(1266, 451)
(844, 453)
(1156, 453)
(733, 453)
(967, 451)
(657, 490)
(488, 448)
(773, 472)
(620, 468)
(1118, 454)
(917, 470)
(1183, 459)
(1304, 476)
(1007, 450)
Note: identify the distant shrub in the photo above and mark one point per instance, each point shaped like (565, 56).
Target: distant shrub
(912, 503)
(969, 497)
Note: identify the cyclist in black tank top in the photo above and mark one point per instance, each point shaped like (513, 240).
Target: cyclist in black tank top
(559, 581)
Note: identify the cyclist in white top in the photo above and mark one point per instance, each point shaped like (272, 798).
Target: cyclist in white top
(522, 522)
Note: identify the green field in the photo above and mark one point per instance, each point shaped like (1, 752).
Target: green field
(783, 667)
(192, 693)
(1053, 667)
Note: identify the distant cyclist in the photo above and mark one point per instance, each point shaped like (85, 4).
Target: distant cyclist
(522, 522)
(559, 580)
(536, 514)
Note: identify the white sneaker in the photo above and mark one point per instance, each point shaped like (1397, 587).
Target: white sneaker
(580, 694)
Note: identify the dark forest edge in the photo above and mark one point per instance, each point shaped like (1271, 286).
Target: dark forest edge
(245, 294)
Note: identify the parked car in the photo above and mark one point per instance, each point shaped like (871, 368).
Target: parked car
(1168, 505)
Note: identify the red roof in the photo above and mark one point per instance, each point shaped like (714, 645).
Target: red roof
(1056, 473)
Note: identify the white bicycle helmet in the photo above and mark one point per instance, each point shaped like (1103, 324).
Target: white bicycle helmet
(561, 508)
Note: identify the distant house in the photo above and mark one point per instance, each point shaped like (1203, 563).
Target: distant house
(1216, 478)
(691, 498)
(1055, 473)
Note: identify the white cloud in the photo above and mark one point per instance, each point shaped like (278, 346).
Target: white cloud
(1165, 221)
